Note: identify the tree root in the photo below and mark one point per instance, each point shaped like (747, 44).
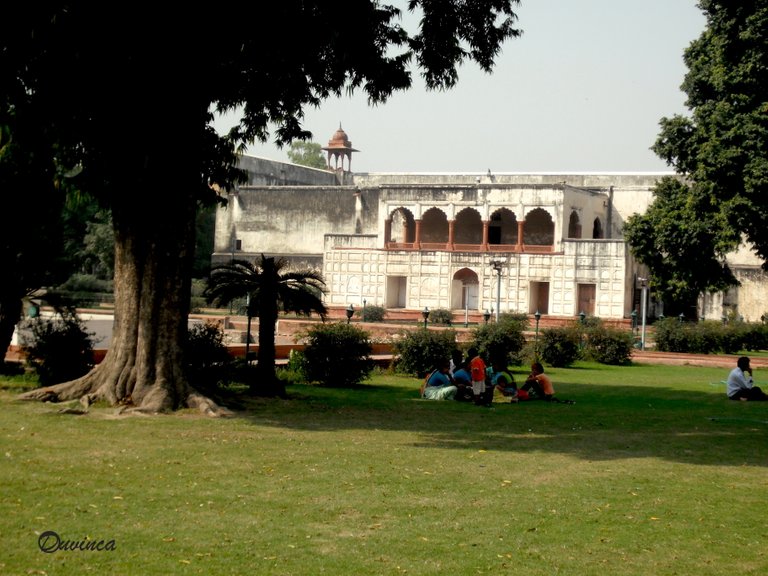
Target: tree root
(79, 397)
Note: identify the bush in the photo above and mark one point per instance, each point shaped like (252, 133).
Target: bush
(337, 354)
(86, 283)
(441, 316)
(372, 313)
(709, 336)
(515, 320)
(609, 345)
(500, 342)
(560, 347)
(58, 350)
(421, 351)
(208, 361)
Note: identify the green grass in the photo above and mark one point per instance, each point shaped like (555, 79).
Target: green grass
(652, 471)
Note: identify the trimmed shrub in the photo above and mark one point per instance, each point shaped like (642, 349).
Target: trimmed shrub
(372, 313)
(441, 316)
(58, 350)
(208, 361)
(515, 320)
(560, 347)
(609, 345)
(500, 342)
(421, 351)
(336, 354)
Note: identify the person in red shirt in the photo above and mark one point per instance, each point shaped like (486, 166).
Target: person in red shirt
(477, 370)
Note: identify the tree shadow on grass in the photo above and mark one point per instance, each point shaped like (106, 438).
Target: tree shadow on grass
(607, 422)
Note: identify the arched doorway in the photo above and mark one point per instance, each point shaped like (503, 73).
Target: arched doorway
(597, 229)
(469, 227)
(539, 228)
(502, 228)
(465, 290)
(574, 226)
(402, 226)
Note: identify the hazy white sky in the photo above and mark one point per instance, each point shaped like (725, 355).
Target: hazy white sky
(582, 90)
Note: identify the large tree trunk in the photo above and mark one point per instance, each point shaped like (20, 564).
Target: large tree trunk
(267, 382)
(154, 243)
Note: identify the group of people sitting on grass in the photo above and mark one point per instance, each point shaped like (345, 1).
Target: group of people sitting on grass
(471, 379)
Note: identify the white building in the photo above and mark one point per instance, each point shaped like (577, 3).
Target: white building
(466, 242)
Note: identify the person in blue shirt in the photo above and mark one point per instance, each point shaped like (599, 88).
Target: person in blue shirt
(463, 382)
(439, 385)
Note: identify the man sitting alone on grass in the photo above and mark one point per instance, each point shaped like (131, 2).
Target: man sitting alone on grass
(740, 384)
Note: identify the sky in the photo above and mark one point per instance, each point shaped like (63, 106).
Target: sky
(582, 90)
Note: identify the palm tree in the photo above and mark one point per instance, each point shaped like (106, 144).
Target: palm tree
(268, 288)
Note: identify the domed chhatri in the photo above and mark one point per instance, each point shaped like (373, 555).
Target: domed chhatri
(340, 147)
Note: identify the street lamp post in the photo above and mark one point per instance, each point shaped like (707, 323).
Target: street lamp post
(466, 306)
(363, 309)
(425, 313)
(497, 265)
(582, 316)
(350, 312)
(644, 303)
(681, 318)
(248, 326)
(486, 315)
(634, 321)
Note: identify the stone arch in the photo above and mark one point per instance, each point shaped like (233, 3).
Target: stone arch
(468, 227)
(402, 226)
(465, 290)
(539, 228)
(502, 228)
(434, 226)
(597, 229)
(574, 225)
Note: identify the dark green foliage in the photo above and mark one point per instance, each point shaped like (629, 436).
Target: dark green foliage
(101, 122)
(500, 342)
(372, 313)
(58, 349)
(710, 336)
(83, 291)
(680, 248)
(337, 354)
(516, 320)
(205, 225)
(609, 345)
(421, 351)
(560, 347)
(208, 361)
(720, 149)
(270, 286)
(441, 316)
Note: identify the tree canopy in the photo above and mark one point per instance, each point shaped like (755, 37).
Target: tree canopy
(306, 154)
(127, 97)
(721, 152)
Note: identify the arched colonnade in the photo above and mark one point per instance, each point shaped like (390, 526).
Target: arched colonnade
(469, 232)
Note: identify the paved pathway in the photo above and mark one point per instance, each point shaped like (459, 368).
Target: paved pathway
(680, 359)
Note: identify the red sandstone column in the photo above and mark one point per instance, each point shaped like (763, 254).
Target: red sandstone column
(486, 224)
(451, 233)
(520, 232)
(417, 240)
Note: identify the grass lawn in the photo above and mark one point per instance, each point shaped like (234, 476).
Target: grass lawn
(653, 471)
